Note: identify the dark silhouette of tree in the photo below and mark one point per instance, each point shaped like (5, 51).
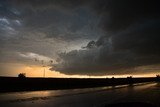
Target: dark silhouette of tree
(130, 79)
(158, 78)
(113, 78)
(22, 75)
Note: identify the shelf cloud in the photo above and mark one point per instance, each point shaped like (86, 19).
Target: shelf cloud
(83, 37)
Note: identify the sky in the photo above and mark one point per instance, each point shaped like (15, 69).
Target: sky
(79, 38)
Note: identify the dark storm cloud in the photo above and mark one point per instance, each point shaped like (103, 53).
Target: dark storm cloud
(125, 13)
(65, 19)
(5, 11)
(132, 39)
(141, 38)
(52, 3)
(44, 27)
(127, 32)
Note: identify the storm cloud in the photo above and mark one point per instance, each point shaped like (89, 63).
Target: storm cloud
(83, 37)
(131, 40)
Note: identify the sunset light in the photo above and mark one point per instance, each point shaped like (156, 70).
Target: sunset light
(79, 53)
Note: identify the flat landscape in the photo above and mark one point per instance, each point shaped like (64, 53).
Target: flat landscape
(10, 84)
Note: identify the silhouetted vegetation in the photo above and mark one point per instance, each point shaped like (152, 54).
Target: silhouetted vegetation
(27, 84)
(158, 78)
(112, 78)
(130, 80)
(22, 75)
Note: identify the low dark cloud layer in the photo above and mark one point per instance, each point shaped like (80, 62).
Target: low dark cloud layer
(132, 40)
(95, 37)
(45, 27)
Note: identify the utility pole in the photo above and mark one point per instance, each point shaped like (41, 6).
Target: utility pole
(44, 72)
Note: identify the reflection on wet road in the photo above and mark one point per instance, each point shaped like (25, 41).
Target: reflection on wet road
(88, 97)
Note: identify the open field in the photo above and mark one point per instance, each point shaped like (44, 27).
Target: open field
(29, 84)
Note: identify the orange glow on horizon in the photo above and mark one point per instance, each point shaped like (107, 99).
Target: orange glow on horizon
(38, 71)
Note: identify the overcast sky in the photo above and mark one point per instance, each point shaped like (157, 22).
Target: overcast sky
(81, 37)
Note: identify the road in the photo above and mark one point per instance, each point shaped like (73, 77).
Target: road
(89, 97)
